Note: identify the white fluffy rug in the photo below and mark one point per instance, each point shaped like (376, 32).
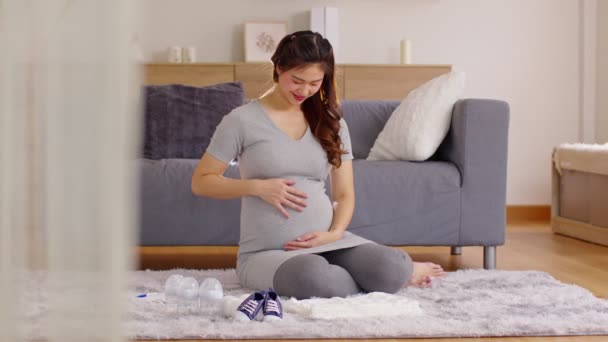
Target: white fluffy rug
(464, 303)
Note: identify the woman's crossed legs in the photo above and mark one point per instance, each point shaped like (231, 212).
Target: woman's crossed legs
(369, 267)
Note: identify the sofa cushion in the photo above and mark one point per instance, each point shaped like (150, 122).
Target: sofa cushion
(365, 120)
(170, 215)
(419, 124)
(399, 202)
(179, 120)
(388, 193)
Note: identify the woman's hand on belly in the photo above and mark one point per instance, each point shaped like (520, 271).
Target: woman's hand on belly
(313, 239)
(279, 192)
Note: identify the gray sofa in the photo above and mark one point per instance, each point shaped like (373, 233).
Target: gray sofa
(456, 198)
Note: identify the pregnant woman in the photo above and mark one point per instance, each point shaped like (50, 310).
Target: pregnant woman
(287, 142)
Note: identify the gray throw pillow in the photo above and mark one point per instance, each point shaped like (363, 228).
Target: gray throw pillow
(180, 120)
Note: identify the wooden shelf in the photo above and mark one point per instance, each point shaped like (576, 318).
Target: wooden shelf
(354, 81)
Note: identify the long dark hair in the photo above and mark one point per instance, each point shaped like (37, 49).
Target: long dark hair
(321, 110)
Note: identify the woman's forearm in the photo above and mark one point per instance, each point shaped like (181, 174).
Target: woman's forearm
(220, 187)
(343, 213)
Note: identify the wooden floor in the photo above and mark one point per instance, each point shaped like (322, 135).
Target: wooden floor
(529, 246)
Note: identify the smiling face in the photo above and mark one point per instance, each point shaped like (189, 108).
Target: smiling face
(298, 84)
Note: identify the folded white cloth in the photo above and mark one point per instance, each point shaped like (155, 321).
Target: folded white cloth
(375, 304)
(581, 157)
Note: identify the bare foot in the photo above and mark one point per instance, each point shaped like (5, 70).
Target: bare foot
(423, 274)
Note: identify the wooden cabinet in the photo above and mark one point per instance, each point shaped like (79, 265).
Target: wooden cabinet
(189, 74)
(354, 81)
(387, 82)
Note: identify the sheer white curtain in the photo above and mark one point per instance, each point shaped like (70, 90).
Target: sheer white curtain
(69, 126)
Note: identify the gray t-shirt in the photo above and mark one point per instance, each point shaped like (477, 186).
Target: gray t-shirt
(264, 151)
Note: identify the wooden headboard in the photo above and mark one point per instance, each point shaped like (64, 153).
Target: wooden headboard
(355, 81)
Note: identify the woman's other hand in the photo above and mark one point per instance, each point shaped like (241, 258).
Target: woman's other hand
(279, 193)
(313, 239)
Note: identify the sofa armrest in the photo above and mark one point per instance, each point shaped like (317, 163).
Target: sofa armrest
(477, 143)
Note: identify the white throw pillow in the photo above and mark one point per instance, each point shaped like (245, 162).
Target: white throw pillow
(419, 124)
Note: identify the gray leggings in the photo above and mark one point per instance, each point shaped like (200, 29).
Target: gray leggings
(369, 267)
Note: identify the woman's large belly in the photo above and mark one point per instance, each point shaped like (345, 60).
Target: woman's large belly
(263, 227)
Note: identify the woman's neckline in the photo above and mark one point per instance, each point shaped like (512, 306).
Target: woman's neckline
(267, 116)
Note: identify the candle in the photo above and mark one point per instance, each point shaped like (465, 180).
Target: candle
(175, 54)
(189, 54)
(406, 51)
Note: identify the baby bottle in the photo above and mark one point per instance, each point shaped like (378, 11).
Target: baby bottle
(171, 290)
(187, 293)
(210, 294)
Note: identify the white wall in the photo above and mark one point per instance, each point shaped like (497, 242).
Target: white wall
(601, 131)
(524, 52)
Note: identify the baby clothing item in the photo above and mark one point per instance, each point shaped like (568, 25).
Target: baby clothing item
(266, 302)
(367, 306)
(273, 310)
(250, 307)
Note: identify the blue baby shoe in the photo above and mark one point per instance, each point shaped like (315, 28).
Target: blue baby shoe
(251, 306)
(273, 310)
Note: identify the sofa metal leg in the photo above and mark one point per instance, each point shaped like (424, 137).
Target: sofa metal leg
(489, 257)
(455, 250)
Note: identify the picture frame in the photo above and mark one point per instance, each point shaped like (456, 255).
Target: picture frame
(261, 39)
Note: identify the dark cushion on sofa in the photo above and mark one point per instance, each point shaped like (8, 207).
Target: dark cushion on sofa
(180, 120)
